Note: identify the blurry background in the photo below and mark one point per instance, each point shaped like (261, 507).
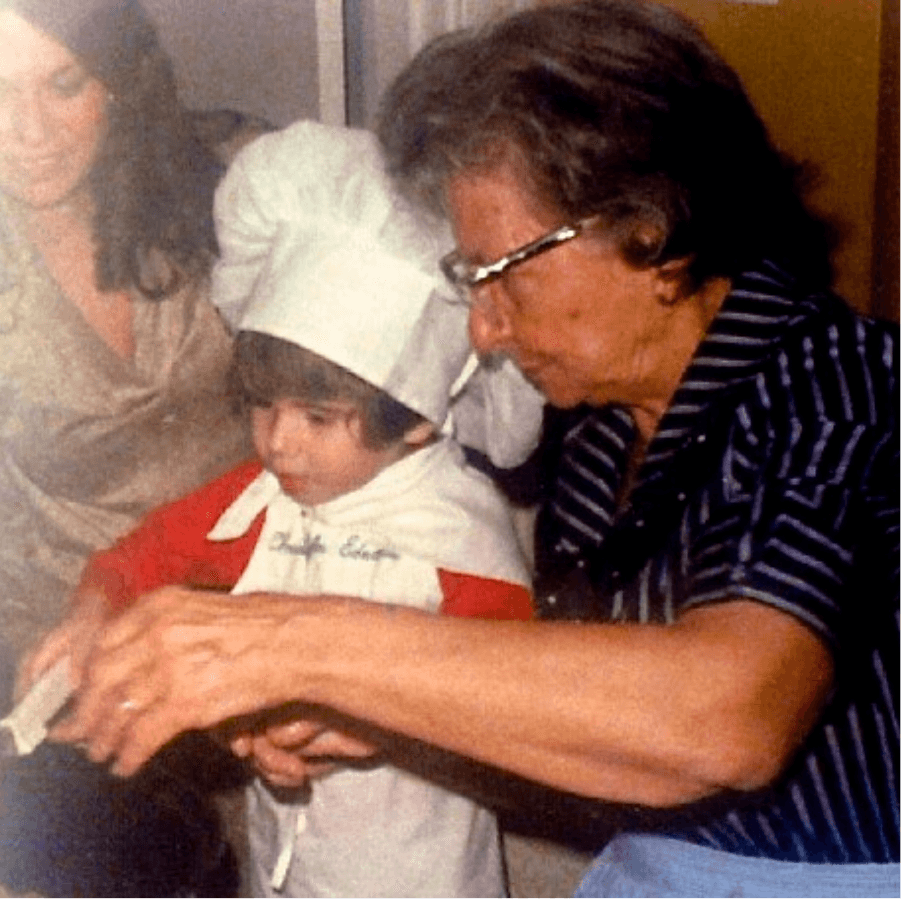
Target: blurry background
(824, 74)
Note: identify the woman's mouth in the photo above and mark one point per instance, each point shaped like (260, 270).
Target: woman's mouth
(36, 169)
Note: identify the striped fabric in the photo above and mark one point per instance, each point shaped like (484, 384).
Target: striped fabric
(773, 476)
(584, 502)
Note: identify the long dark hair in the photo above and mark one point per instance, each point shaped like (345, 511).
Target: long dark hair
(153, 180)
(613, 107)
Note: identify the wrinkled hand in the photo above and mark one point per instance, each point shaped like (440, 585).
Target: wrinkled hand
(292, 754)
(74, 637)
(177, 660)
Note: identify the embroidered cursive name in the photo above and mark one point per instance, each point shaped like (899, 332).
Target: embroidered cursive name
(310, 546)
(356, 548)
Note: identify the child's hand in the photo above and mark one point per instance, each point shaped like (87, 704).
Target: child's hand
(292, 754)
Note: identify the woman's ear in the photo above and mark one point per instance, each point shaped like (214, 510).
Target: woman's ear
(673, 281)
(420, 434)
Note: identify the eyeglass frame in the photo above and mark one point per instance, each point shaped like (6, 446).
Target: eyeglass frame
(479, 275)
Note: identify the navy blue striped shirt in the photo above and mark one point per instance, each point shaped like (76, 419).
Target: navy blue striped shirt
(774, 476)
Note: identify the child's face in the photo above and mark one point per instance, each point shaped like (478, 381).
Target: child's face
(316, 449)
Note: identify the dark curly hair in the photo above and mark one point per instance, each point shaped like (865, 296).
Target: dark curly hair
(619, 108)
(153, 180)
(267, 368)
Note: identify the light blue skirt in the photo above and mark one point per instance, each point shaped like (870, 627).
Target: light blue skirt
(643, 865)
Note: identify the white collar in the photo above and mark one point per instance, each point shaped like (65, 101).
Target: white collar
(429, 503)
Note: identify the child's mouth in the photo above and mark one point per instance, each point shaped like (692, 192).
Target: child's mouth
(292, 484)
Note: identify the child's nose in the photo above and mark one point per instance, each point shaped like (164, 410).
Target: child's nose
(285, 437)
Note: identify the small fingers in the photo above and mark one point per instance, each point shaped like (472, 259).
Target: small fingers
(294, 734)
(282, 768)
(339, 745)
(241, 745)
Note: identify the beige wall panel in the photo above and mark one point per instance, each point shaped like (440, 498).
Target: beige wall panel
(256, 56)
(812, 69)
(887, 227)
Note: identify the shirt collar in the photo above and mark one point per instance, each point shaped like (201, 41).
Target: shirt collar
(388, 483)
(752, 322)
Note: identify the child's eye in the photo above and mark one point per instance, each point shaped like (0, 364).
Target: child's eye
(69, 82)
(320, 417)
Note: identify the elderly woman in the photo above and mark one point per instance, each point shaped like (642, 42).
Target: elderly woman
(112, 372)
(721, 503)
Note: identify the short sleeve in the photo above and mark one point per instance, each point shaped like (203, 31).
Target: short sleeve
(469, 596)
(805, 517)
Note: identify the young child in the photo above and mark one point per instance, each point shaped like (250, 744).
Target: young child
(346, 355)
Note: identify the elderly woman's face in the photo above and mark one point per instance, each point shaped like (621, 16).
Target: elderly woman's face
(582, 324)
(52, 116)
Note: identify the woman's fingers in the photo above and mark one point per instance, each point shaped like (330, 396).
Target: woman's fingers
(74, 637)
(54, 646)
(111, 732)
(145, 735)
(179, 659)
(130, 670)
(116, 688)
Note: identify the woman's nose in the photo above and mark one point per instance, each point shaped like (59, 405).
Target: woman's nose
(26, 118)
(489, 326)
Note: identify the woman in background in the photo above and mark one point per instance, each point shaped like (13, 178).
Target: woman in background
(112, 394)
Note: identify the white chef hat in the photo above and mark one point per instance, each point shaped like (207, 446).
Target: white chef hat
(317, 248)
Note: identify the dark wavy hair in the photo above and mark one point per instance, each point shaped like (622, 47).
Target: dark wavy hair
(153, 180)
(267, 368)
(618, 108)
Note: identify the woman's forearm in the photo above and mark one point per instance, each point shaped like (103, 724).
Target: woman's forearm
(656, 715)
(634, 713)
(518, 696)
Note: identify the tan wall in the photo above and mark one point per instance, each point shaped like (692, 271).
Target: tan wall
(812, 69)
(256, 56)
(887, 224)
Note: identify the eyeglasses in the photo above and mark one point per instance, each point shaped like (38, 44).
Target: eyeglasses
(467, 275)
